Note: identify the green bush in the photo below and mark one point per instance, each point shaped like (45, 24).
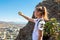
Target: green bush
(52, 28)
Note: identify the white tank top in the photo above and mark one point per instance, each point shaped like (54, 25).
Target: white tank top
(38, 26)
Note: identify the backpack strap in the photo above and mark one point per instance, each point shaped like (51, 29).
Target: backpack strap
(39, 21)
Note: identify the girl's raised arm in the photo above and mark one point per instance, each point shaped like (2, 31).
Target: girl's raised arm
(29, 19)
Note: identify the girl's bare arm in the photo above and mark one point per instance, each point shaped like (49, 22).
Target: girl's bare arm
(40, 36)
(29, 19)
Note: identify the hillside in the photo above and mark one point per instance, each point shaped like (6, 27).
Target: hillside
(11, 24)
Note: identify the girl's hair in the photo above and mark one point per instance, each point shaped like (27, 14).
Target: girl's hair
(43, 12)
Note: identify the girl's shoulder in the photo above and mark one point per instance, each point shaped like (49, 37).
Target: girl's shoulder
(41, 22)
(35, 20)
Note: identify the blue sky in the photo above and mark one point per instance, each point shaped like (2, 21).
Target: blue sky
(9, 9)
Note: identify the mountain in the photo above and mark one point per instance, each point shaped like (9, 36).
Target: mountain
(11, 24)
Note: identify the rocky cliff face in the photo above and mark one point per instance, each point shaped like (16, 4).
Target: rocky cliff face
(53, 7)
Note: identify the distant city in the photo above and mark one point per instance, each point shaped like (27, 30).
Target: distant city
(10, 30)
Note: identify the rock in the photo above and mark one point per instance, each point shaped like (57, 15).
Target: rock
(53, 8)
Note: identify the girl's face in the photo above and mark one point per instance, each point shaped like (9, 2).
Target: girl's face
(37, 13)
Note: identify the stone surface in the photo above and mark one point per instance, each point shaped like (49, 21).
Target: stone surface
(53, 7)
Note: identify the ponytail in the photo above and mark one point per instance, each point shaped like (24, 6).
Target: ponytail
(45, 16)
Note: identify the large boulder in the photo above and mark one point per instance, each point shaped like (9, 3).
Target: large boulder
(53, 8)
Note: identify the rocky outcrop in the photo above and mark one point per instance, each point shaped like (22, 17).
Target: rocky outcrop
(53, 7)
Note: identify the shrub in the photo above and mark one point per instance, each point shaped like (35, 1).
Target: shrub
(52, 28)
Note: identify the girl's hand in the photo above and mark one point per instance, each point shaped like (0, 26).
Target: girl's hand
(29, 19)
(20, 13)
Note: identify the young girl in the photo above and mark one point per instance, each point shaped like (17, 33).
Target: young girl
(41, 15)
